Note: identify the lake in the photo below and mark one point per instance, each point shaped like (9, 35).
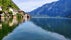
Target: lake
(42, 29)
(61, 26)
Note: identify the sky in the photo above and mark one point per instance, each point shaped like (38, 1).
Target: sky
(29, 5)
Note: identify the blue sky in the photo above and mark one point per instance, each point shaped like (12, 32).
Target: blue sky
(29, 5)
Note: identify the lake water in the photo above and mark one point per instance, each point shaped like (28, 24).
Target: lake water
(61, 26)
(42, 29)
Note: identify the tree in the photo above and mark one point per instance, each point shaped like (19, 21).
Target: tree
(8, 3)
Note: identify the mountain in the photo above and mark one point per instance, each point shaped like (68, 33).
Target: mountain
(61, 8)
(6, 3)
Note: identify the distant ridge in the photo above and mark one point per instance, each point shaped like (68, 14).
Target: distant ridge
(61, 8)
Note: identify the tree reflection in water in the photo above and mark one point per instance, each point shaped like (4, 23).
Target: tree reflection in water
(8, 24)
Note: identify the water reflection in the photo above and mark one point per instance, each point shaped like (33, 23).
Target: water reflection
(61, 26)
(11, 21)
(29, 31)
(8, 24)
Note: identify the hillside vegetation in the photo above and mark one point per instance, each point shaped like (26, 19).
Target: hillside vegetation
(8, 3)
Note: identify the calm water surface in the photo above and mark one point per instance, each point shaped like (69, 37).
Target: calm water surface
(42, 29)
(61, 26)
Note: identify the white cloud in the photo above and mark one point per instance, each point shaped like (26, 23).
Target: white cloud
(29, 5)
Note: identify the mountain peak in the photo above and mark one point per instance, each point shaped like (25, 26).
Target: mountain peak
(60, 8)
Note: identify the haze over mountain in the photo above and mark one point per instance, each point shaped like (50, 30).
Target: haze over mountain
(29, 5)
(61, 8)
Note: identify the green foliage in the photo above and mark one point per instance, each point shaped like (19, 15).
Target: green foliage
(5, 24)
(0, 2)
(13, 5)
(6, 3)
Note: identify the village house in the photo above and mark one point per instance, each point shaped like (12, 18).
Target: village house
(21, 12)
(0, 8)
(15, 12)
(26, 17)
(10, 9)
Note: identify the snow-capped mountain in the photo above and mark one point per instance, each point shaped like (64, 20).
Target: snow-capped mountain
(61, 8)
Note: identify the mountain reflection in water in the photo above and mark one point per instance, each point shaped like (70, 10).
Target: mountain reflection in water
(29, 31)
(58, 25)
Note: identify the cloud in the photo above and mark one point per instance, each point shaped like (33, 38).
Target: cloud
(34, 0)
(29, 5)
(29, 31)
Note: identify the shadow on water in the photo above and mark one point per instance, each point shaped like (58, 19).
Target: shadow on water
(30, 31)
(60, 26)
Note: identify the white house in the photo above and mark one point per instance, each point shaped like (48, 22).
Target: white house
(10, 9)
(15, 12)
(0, 8)
(26, 17)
